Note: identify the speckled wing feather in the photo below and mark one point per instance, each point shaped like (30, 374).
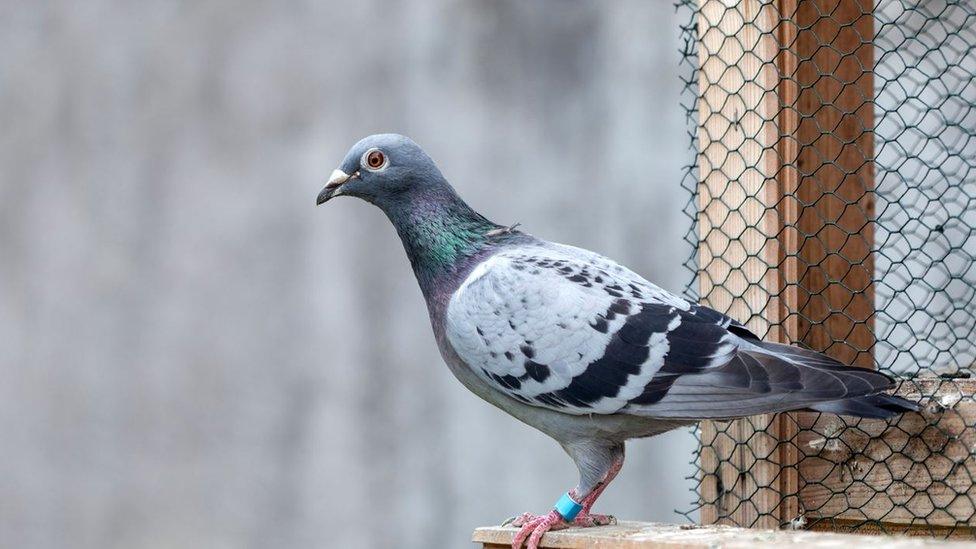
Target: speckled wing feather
(569, 330)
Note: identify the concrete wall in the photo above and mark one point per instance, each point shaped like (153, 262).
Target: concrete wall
(193, 355)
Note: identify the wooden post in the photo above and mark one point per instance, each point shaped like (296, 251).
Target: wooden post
(739, 248)
(828, 101)
(785, 215)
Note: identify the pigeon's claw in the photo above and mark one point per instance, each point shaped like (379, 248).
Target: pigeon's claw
(534, 527)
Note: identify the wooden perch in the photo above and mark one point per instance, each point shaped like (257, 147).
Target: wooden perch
(646, 535)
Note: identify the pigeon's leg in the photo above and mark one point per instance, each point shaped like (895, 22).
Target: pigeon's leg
(611, 463)
(598, 464)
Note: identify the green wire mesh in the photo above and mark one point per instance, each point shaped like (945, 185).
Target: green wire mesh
(835, 142)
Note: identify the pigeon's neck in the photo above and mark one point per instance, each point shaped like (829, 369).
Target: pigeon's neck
(439, 233)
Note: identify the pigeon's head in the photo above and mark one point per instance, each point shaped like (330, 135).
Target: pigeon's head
(382, 169)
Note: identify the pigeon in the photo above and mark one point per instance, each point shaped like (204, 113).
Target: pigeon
(577, 345)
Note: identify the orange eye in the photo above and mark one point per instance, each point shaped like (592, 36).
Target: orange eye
(375, 159)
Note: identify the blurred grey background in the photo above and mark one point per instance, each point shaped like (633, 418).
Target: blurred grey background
(193, 355)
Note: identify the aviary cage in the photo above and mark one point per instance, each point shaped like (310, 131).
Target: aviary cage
(833, 205)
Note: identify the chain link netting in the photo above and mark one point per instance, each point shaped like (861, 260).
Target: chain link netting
(833, 206)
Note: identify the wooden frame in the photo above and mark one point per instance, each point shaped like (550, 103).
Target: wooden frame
(786, 213)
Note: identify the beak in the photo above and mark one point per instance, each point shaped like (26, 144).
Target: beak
(331, 189)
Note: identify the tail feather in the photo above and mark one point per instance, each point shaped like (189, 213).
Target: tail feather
(880, 406)
(863, 387)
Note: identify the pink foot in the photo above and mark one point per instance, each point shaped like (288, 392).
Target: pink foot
(534, 527)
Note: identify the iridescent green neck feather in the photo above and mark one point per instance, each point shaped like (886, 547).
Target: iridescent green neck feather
(439, 232)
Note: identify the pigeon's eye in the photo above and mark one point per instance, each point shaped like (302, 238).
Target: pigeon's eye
(374, 159)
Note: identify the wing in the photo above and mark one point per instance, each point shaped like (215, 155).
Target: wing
(569, 330)
(566, 329)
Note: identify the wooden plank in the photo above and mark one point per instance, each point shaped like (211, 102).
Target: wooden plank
(915, 475)
(644, 535)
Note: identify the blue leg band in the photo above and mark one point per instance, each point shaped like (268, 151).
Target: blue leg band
(568, 508)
